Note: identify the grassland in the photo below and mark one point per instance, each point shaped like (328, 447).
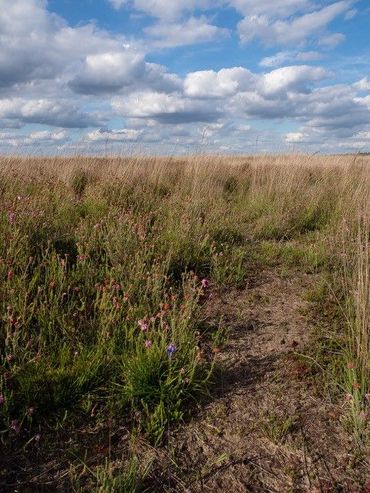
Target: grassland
(126, 287)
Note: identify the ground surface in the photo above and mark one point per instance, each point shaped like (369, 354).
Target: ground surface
(269, 429)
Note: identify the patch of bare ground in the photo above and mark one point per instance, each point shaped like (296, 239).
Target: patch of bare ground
(269, 427)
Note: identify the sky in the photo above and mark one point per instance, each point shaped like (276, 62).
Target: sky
(184, 76)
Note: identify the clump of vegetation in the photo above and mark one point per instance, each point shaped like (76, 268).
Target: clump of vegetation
(79, 182)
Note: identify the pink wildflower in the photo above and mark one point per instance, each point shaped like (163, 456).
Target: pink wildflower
(350, 365)
(116, 303)
(2, 399)
(148, 343)
(348, 397)
(143, 324)
(13, 320)
(12, 217)
(15, 426)
(205, 283)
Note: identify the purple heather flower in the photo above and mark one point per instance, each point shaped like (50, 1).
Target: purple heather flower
(143, 324)
(15, 426)
(205, 283)
(12, 217)
(171, 348)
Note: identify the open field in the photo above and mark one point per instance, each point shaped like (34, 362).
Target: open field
(185, 325)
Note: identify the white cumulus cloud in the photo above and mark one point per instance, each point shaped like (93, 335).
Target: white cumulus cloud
(293, 30)
(192, 31)
(295, 78)
(226, 82)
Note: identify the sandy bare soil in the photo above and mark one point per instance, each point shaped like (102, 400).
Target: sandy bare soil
(269, 428)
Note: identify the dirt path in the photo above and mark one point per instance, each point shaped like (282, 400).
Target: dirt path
(268, 429)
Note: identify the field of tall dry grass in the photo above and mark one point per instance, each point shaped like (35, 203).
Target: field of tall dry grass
(107, 268)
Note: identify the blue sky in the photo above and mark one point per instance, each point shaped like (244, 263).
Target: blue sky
(184, 76)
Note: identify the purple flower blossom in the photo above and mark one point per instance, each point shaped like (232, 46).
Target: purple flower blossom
(205, 283)
(12, 217)
(2, 399)
(171, 348)
(15, 426)
(143, 324)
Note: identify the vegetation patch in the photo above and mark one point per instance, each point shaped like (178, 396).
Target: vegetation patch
(110, 272)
